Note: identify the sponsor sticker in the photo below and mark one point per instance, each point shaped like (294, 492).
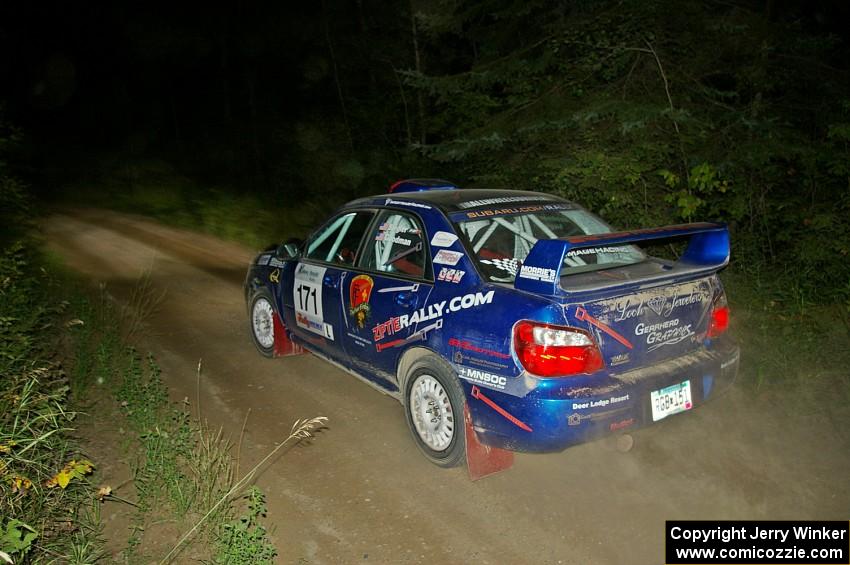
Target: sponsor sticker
(594, 251)
(730, 362)
(463, 344)
(419, 335)
(274, 276)
(508, 265)
(668, 332)
(309, 323)
(619, 359)
(390, 201)
(443, 239)
(307, 296)
(537, 273)
(358, 299)
(621, 425)
(310, 273)
(482, 378)
(516, 210)
(359, 340)
(446, 257)
(386, 226)
(600, 403)
(575, 418)
(450, 275)
(434, 311)
(501, 200)
(398, 240)
(661, 304)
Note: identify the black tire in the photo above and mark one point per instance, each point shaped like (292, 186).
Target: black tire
(262, 329)
(432, 385)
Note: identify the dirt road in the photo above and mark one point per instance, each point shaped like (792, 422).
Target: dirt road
(361, 492)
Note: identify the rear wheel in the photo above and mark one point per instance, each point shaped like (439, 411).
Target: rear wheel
(434, 405)
(261, 313)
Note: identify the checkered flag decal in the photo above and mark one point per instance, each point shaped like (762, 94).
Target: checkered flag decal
(509, 265)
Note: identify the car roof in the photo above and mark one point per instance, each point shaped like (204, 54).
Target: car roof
(462, 199)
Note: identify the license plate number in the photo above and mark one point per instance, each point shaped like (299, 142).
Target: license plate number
(671, 400)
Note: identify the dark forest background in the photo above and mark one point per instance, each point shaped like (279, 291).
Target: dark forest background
(252, 120)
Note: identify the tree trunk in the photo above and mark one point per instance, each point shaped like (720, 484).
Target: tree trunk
(418, 61)
(336, 76)
(259, 169)
(175, 122)
(224, 73)
(364, 40)
(404, 104)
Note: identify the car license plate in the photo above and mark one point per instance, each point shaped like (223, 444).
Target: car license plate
(671, 400)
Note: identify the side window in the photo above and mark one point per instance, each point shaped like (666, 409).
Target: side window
(338, 241)
(396, 245)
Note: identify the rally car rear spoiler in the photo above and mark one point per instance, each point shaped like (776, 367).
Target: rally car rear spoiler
(707, 251)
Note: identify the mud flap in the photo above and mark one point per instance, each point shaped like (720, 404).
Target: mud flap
(483, 460)
(283, 346)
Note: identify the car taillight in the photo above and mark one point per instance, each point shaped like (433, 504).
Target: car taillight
(547, 350)
(719, 322)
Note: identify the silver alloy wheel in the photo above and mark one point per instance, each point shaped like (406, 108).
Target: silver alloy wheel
(262, 322)
(432, 413)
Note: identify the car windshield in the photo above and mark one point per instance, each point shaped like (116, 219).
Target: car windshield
(500, 244)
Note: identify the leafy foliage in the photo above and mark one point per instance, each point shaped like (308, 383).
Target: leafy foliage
(72, 470)
(650, 115)
(17, 537)
(14, 200)
(244, 540)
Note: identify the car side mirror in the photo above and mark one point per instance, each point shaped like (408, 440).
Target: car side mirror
(289, 249)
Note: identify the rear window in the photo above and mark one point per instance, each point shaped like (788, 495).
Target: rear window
(500, 244)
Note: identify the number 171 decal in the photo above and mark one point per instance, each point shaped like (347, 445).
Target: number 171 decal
(306, 293)
(307, 296)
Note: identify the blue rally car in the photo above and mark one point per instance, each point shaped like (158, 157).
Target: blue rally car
(506, 319)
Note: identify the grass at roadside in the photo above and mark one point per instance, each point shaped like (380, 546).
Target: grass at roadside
(47, 511)
(64, 357)
(794, 353)
(179, 468)
(182, 472)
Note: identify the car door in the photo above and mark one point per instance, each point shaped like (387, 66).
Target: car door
(317, 294)
(386, 300)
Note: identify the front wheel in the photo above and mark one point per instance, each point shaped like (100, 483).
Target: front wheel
(261, 314)
(434, 405)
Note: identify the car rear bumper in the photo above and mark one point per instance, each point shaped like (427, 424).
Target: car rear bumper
(580, 414)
